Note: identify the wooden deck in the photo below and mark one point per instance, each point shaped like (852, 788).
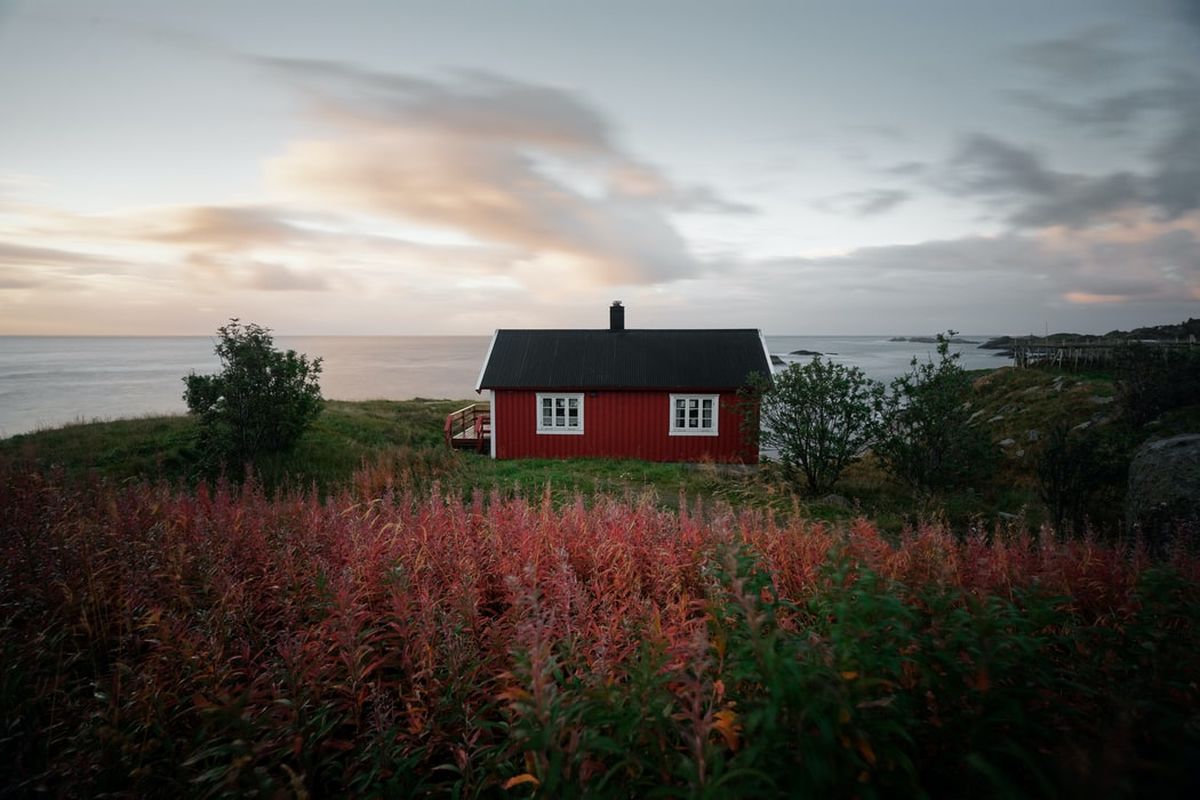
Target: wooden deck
(470, 428)
(1075, 355)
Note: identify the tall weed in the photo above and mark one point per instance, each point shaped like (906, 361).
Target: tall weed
(393, 640)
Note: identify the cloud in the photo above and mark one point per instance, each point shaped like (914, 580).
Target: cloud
(12, 280)
(1188, 12)
(530, 167)
(887, 133)
(1088, 56)
(221, 227)
(863, 204)
(34, 267)
(1174, 185)
(1016, 182)
(1036, 196)
(1009, 283)
(1109, 116)
(214, 250)
(1140, 259)
(26, 256)
(476, 104)
(243, 273)
(223, 245)
(907, 169)
(1018, 185)
(642, 181)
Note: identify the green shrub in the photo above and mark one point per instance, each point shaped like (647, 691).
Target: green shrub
(927, 440)
(261, 401)
(820, 416)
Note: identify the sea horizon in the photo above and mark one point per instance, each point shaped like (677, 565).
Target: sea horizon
(47, 381)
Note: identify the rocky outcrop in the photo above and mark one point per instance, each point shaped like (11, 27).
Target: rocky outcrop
(1164, 489)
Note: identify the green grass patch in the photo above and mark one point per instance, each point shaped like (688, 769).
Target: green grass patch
(119, 449)
(344, 437)
(588, 476)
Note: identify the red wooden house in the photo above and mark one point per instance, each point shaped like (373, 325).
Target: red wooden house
(658, 395)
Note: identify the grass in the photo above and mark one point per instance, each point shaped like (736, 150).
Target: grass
(386, 441)
(389, 441)
(592, 477)
(119, 449)
(345, 435)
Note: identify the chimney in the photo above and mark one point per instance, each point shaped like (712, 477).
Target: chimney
(616, 316)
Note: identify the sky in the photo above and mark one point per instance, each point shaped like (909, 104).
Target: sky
(455, 167)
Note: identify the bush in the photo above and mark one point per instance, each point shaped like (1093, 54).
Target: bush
(1081, 477)
(927, 441)
(262, 401)
(820, 416)
(1151, 382)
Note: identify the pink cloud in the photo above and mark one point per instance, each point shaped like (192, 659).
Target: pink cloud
(471, 154)
(1088, 298)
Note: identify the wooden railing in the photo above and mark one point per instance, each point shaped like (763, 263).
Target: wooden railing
(469, 427)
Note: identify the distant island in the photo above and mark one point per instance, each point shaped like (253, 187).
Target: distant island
(931, 339)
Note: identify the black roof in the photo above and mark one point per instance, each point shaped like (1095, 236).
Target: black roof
(623, 359)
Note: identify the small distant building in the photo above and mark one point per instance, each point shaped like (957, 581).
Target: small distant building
(658, 395)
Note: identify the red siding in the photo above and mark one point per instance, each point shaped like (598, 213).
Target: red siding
(618, 424)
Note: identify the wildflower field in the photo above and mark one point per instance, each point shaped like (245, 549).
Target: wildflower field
(401, 642)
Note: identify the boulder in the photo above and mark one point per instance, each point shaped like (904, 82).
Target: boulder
(1164, 488)
(835, 501)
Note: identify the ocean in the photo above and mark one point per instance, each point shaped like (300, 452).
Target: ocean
(47, 381)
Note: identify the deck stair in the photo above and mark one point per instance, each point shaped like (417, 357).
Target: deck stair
(470, 428)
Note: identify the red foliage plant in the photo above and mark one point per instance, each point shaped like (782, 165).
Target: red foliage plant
(158, 637)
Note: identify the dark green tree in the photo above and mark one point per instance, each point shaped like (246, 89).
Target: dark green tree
(820, 416)
(927, 440)
(262, 401)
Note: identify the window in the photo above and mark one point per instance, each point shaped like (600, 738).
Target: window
(694, 414)
(560, 413)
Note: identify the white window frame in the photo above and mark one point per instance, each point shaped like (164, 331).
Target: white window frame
(555, 429)
(713, 430)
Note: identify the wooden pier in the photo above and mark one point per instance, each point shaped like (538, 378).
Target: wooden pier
(1076, 355)
(470, 428)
